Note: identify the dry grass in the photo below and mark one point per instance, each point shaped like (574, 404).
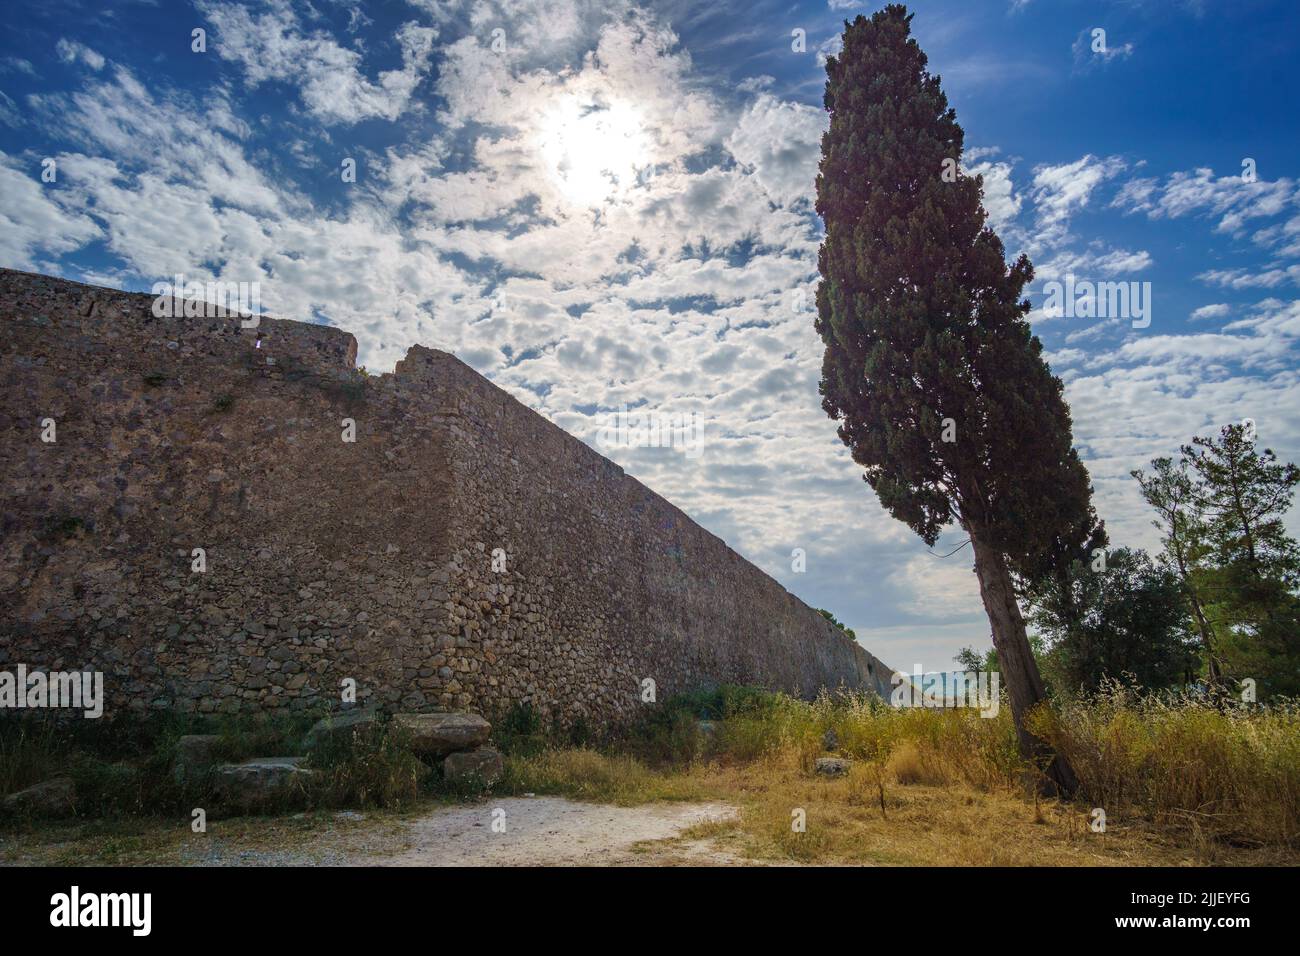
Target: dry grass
(908, 765)
(586, 774)
(1181, 782)
(1230, 774)
(945, 825)
(896, 814)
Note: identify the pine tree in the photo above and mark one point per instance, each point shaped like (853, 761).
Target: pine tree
(938, 385)
(1245, 494)
(1170, 490)
(1221, 509)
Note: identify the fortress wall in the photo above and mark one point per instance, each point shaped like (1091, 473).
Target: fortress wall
(326, 560)
(644, 592)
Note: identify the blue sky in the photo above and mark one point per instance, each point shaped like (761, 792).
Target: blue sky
(599, 204)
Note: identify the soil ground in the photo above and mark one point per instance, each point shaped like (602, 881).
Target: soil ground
(529, 831)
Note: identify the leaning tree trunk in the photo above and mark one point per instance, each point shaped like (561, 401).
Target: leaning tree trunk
(1017, 665)
(1216, 675)
(1202, 625)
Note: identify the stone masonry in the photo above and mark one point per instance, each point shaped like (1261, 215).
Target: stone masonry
(328, 559)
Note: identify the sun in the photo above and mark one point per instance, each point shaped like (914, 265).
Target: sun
(594, 147)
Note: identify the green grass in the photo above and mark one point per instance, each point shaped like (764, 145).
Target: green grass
(123, 767)
(374, 767)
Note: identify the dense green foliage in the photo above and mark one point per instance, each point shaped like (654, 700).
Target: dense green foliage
(1220, 508)
(1117, 616)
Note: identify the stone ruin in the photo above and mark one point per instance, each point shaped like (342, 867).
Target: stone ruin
(182, 512)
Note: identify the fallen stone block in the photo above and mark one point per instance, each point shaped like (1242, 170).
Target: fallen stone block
(55, 797)
(482, 766)
(435, 735)
(340, 727)
(261, 782)
(833, 766)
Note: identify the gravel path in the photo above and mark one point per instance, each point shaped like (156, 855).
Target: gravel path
(553, 831)
(504, 831)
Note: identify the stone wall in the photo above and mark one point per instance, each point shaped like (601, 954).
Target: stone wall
(328, 559)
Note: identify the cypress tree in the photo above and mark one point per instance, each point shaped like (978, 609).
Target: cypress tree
(938, 385)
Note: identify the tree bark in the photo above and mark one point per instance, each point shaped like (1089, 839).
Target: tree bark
(1198, 612)
(1216, 678)
(1016, 663)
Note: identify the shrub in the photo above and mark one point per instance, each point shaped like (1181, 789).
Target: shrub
(519, 731)
(373, 766)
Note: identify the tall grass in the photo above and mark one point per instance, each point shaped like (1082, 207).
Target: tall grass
(1218, 770)
(374, 766)
(1233, 771)
(588, 774)
(30, 752)
(960, 746)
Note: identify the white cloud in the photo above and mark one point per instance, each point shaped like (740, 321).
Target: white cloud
(1136, 195)
(1215, 311)
(1060, 191)
(33, 219)
(1232, 200)
(16, 64)
(272, 45)
(170, 137)
(756, 84)
(781, 143)
(1093, 46)
(1096, 263)
(1000, 198)
(1241, 278)
(1206, 347)
(9, 114)
(70, 51)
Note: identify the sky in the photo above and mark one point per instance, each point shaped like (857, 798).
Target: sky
(600, 205)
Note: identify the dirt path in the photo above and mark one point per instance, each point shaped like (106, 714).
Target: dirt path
(529, 831)
(553, 831)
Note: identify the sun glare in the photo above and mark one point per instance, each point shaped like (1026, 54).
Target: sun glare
(593, 148)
